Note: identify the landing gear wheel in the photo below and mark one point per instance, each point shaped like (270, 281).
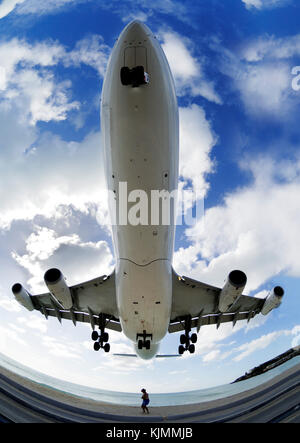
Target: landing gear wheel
(182, 339)
(95, 335)
(181, 350)
(125, 76)
(192, 349)
(138, 76)
(96, 346)
(105, 337)
(147, 344)
(194, 338)
(107, 347)
(140, 344)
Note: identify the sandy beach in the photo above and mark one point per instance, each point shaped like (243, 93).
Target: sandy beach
(162, 413)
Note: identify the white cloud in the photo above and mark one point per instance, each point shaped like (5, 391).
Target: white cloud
(188, 74)
(28, 81)
(9, 304)
(41, 8)
(8, 6)
(261, 72)
(212, 355)
(91, 51)
(79, 261)
(256, 229)
(48, 176)
(196, 142)
(270, 47)
(60, 349)
(264, 84)
(37, 323)
(265, 4)
(265, 88)
(259, 343)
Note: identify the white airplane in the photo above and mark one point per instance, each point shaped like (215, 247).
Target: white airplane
(143, 297)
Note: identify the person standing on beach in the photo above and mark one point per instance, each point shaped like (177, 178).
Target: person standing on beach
(145, 398)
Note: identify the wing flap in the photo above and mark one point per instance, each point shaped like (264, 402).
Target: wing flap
(217, 319)
(83, 317)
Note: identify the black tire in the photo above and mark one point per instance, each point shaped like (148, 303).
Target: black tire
(147, 344)
(140, 344)
(182, 339)
(105, 337)
(192, 349)
(96, 346)
(181, 350)
(107, 347)
(125, 75)
(95, 335)
(137, 76)
(194, 338)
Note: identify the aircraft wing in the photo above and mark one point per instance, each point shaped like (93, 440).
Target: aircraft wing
(89, 300)
(200, 301)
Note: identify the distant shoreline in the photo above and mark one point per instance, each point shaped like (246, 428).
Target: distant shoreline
(270, 364)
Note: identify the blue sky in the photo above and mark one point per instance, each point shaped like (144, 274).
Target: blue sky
(239, 148)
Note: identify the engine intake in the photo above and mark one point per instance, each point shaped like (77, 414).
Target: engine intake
(233, 288)
(22, 296)
(273, 300)
(56, 283)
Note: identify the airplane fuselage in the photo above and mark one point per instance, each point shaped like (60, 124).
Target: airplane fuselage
(140, 136)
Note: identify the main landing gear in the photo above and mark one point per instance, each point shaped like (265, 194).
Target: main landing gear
(187, 341)
(101, 340)
(144, 340)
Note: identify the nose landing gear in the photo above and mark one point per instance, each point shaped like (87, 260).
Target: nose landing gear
(134, 77)
(143, 340)
(187, 341)
(101, 340)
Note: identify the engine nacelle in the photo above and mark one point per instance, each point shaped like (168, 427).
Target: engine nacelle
(233, 288)
(273, 300)
(22, 296)
(56, 283)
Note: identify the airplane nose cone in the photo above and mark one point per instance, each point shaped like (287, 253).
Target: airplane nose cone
(136, 31)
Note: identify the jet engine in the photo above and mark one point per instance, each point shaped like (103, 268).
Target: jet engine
(233, 288)
(273, 300)
(22, 296)
(56, 283)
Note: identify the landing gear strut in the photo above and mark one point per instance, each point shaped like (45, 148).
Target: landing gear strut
(101, 340)
(187, 341)
(144, 340)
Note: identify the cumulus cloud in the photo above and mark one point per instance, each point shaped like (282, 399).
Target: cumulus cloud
(189, 73)
(78, 260)
(261, 72)
(47, 174)
(255, 229)
(41, 174)
(196, 142)
(8, 6)
(27, 79)
(269, 47)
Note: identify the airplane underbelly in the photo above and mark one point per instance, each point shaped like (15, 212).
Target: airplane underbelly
(141, 156)
(144, 296)
(140, 135)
